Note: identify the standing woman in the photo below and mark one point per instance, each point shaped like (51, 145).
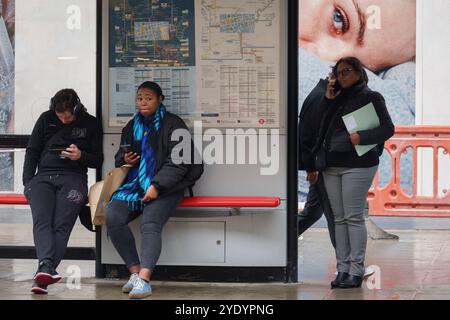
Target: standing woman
(348, 176)
(153, 187)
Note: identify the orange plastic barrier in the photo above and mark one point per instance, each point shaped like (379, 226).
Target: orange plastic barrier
(391, 199)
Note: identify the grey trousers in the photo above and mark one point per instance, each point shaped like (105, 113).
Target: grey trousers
(347, 190)
(154, 217)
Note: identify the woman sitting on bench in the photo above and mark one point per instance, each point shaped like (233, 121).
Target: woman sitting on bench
(153, 187)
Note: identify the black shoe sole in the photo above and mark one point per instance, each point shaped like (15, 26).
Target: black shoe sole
(334, 286)
(342, 286)
(37, 290)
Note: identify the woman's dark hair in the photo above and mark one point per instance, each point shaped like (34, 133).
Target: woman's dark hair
(357, 66)
(66, 100)
(152, 86)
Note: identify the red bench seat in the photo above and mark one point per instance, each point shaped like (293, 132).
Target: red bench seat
(188, 202)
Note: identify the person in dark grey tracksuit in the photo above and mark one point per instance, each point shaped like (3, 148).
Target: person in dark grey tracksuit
(65, 141)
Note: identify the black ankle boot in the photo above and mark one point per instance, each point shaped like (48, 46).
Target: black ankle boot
(351, 282)
(341, 276)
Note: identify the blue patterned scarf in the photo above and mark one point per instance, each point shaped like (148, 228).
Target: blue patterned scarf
(146, 131)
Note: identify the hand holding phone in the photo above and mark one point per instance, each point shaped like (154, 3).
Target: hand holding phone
(71, 152)
(57, 150)
(125, 148)
(333, 89)
(129, 157)
(336, 88)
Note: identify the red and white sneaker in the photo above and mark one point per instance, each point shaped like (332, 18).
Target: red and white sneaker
(46, 275)
(35, 288)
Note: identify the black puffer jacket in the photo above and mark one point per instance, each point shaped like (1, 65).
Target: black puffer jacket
(332, 126)
(169, 177)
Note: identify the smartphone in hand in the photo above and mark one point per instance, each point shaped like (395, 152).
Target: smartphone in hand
(126, 148)
(57, 150)
(337, 87)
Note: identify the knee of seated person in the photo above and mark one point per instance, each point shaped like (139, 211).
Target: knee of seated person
(151, 227)
(41, 223)
(63, 227)
(114, 218)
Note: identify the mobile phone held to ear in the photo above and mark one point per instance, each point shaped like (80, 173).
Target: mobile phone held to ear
(336, 88)
(126, 148)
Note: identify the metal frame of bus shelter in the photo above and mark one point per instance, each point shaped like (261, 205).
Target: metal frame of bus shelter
(289, 273)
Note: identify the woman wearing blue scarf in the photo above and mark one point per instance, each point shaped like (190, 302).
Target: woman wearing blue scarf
(153, 187)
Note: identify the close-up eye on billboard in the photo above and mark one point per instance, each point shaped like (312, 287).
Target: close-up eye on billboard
(382, 35)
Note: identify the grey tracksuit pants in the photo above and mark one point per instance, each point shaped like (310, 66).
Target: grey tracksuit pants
(55, 201)
(347, 190)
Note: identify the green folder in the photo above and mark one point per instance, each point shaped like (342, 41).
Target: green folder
(364, 118)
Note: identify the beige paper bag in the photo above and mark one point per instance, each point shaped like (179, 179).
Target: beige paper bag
(101, 192)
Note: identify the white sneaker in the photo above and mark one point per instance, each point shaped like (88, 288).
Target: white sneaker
(141, 289)
(127, 287)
